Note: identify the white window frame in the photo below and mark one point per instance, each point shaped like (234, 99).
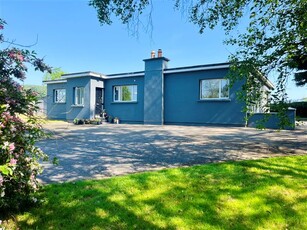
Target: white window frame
(79, 95)
(119, 98)
(220, 89)
(56, 97)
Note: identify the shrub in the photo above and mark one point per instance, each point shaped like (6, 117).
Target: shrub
(110, 119)
(19, 157)
(301, 108)
(78, 121)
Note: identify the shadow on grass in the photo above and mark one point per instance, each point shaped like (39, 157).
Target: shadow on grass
(266, 194)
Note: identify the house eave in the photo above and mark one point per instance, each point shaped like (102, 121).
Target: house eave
(266, 81)
(83, 74)
(172, 70)
(125, 75)
(55, 81)
(197, 68)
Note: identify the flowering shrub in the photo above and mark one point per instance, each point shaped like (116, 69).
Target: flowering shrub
(19, 157)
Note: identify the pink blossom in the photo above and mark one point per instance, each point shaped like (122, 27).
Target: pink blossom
(16, 56)
(11, 54)
(13, 161)
(1, 180)
(19, 57)
(1, 27)
(11, 146)
(34, 94)
(7, 116)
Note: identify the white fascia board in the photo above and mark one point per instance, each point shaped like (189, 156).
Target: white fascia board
(269, 83)
(196, 69)
(124, 76)
(55, 81)
(83, 74)
(266, 81)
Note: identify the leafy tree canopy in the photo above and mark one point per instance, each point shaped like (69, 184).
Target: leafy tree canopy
(275, 37)
(41, 90)
(55, 74)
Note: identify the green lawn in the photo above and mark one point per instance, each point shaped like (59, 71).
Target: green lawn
(261, 194)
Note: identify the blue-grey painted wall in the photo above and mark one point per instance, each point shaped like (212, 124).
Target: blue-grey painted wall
(182, 103)
(127, 112)
(154, 90)
(74, 111)
(271, 121)
(55, 110)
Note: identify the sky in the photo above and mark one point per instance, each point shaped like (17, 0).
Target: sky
(67, 34)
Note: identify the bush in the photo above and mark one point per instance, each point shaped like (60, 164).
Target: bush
(78, 121)
(301, 108)
(19, 157)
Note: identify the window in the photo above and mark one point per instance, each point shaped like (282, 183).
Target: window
(59, 96)
(125, 93)
(79, 95)
(214, 89)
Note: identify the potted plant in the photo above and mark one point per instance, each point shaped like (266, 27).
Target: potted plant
(116, 120)
(98, 121)
(110, 119)
(78, 121)
(104, 113)
(95, 121)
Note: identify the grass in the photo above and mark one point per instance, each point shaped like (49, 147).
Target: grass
(41, 119)
(259, 194)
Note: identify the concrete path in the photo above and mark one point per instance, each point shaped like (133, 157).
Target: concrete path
(89, 151)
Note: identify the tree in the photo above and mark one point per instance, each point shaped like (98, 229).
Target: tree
(55, 74)
(274, 42)
(276, 36)
(19, 157)
(41, 90)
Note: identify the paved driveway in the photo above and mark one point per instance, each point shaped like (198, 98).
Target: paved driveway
(88, 151)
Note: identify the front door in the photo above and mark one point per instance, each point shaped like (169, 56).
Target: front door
(99, 101)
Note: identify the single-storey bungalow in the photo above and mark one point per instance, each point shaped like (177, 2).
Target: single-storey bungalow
(158, 95)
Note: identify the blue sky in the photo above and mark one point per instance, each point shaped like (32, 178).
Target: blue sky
(69, 36)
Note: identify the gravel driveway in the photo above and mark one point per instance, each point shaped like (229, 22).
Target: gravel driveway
(89, 151)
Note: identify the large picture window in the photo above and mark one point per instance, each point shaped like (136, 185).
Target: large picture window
(59, 96)
(79, 95)
(214, 89)
(125, 93)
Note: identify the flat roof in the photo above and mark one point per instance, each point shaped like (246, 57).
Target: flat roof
(83, 74)
(172, 70)
(129, 74)
(55, 81)
(223, 65)
(138, 73)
